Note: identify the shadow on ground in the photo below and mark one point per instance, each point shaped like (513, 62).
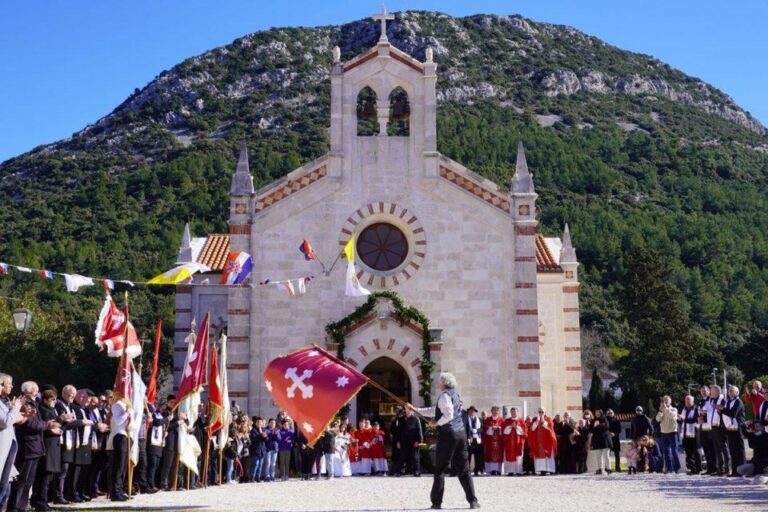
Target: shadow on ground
(735, 491)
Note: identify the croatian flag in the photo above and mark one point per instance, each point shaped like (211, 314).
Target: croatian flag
(3, 268)
(46, 274)
(237, 268)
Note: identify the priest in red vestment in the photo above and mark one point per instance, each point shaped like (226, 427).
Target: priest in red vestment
(514, 431)
(494, 444)
(542, 443)
(361, 438)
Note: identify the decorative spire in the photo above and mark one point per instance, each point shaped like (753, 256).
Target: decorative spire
(185, 250)
(383, 18)
(242, 181)
(522, 183)
(567, 253)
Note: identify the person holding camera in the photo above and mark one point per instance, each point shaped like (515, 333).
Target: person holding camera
(667, 418)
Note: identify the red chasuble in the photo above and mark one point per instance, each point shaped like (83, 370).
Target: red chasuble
(377, 444)
(364, 439)
(354, 453)
(514, 438)
(542, 442)
(492, 439)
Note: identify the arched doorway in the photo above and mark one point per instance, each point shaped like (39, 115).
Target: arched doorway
(373, 403)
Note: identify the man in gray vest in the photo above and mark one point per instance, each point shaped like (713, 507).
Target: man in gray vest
(451, 442)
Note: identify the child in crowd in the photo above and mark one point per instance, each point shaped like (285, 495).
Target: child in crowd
(272, 445)
(285, 436)
(631, 455)
(655, 459)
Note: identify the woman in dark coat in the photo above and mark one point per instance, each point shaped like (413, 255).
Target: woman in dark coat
(600, 442)
(50, 466)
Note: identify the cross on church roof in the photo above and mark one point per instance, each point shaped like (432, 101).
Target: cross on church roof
(383, 18)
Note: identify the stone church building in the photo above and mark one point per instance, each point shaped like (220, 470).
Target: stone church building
(502, 298)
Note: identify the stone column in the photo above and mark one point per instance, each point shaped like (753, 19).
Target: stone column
(239, 299)
(573, 386)
(526, 319)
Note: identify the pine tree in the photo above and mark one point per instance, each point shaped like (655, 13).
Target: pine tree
(666, 351)
(595, 397)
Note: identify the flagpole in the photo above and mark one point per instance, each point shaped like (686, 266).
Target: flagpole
(128, 431)
(206, 451)
(221, 464)
(176, 470)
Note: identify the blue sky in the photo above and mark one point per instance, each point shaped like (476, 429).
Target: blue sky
(64, 64)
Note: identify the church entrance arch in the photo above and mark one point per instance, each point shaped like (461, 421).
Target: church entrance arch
(376, 405)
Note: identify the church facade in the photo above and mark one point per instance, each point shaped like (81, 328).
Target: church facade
(503, 298)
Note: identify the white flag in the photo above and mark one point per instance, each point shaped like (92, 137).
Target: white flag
(301, 286)
(74, 282)
(354, 288)
(227, 412)
(139, 394)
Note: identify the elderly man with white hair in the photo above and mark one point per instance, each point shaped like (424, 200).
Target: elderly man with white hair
(733, 419)
(451, 442)
(10, 414)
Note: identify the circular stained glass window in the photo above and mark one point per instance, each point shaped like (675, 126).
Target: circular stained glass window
(382, 246)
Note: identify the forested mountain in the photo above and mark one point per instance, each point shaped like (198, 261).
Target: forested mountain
(631, 152)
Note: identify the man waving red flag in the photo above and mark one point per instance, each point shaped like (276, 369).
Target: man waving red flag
(311, 386)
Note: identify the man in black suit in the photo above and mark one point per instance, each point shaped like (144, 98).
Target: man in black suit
(409, 437)
(171, 448)
(83, 448)
(475, 438)
(29, 436)
(733, 419)
(155, 438)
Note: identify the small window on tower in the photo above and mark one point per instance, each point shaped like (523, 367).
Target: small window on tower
(367, 122)
(399, 113)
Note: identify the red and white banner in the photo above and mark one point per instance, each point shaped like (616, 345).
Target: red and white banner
(311, 386)
(111, 332)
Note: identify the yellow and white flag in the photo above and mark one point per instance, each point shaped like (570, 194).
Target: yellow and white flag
(179, 274)
(353, 286)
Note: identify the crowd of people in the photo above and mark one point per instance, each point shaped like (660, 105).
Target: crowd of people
(72, 446)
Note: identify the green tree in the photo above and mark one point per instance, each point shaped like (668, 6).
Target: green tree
(666, 350)
(596, 395)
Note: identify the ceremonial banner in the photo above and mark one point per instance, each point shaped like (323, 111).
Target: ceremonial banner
(307, 251)
(152, 388)
(237, 268)
(112, 334)
(311, 386)
(138, 394)
(215, 396)
(192, 381)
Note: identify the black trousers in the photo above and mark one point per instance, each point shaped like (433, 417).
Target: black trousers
(141, 467)
(61, 479)
(153, 468)
(692, 457)
(169, 460)
(409, 455)
(452, 449)
(477, 456)
(119, 465)
(705, 437)
(616, 449)
(720, 447)
(736, 448)
(18, 501)
(42, 485)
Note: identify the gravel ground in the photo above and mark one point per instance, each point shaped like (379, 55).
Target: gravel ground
(588, 493)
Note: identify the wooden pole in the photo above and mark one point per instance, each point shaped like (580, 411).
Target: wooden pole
(189, 473)
(130, 466)
(206, 457)
(221, 464)
(130, 411)
(176, 471)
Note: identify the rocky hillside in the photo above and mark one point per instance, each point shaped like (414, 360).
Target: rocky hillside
(626, 148)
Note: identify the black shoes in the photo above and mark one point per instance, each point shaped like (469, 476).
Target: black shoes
(435, 507)
(60, 501)
(119, 497)
(474, 504)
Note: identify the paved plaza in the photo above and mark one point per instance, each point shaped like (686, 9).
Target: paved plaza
(567, 493)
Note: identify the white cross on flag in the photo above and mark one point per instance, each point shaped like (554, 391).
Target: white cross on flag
(311, 386)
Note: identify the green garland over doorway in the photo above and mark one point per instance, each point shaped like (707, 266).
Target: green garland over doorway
(404, 314)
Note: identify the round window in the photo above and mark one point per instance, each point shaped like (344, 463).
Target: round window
(382, 247)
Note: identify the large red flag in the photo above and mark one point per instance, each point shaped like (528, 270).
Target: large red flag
(311, 386)
(194, 376)
(152, 388)
(215, 396)
(112, 331)
(124, 378)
